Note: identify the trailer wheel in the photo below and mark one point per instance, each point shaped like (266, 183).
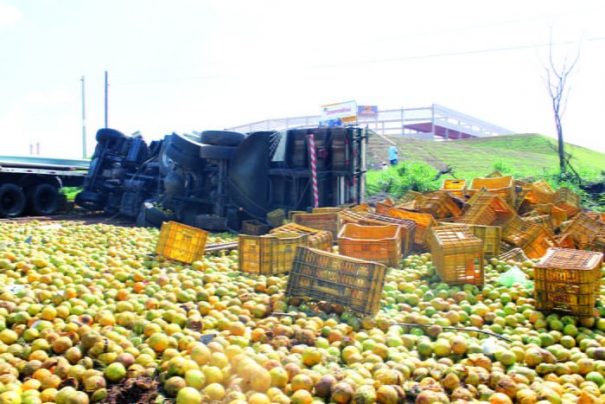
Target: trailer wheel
(183, 150)
(43, 199)
(222, 137)
(90, 200)
(217, 152)
(12, 200)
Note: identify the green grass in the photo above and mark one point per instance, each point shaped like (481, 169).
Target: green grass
(526, 155)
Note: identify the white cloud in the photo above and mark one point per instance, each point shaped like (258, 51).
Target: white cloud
(9, 15)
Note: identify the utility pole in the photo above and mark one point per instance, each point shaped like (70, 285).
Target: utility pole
(83, 120)
(106, 91)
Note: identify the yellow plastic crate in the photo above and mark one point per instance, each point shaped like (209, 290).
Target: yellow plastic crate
(270, 254)
(456, 188)
(180, 242)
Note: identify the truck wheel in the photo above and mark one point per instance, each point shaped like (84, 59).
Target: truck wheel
(12, 200)
(154, 215)
(43, 200)
(184, 151)
(106, 134)
(90, 200)
(217, 152)
(222, 137)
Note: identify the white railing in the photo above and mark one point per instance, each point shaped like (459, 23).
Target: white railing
(395, 122)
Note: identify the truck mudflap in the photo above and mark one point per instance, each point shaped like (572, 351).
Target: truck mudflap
(248, 173)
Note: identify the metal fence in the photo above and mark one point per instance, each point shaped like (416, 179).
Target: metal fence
(435, 121)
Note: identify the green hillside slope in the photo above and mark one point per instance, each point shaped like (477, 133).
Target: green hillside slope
(525, 155)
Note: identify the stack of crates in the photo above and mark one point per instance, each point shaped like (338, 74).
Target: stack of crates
(487, 210)
(568, 281)
(456, 188)
(270, 254)
(322, 221)
(423, 221)
(504, 187)
(318, 239)
(457, 255)
(532, 238)
(374, 243)
(180, 242)
(352, 283)
(584, 230)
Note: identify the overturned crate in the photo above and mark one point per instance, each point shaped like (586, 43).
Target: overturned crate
(323, 221)
(423, 221)
(490, 235)
(568, 281)
(269, 254)
(532, 238)
(540, 192)
(488, 210)
(456, 188)
(374, 243)
(318, 239)
(457, 255)
(567, 200)
(583, 230)
(352, 283)
(504, 187)
(180, 242)
(439, 204)
(514, 254)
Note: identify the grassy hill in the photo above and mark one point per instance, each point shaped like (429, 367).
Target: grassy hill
(525, 155)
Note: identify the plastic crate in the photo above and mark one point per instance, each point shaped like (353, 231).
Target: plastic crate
(567, 200)
(276, 217)
(490, 235)
(557, 215)
(423, 221)
(374, 243)
(488, 210)
(180, 242)
(254, 227)
(504, 187)
(321, 221)
(318, 239)
(293, 212)
(543, 220)
(456, 188)
(515, 254)
(349, 282)
(350, 216)
(540, 192)
(407, 229)
(457, 255)
(532, 238)
(270, 254)
(568, 280)
(439, 204)
(583, 230)
(328, 209)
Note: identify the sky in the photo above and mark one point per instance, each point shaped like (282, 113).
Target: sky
(184, 65)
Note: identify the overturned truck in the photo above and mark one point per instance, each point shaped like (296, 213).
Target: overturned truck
(216, 179)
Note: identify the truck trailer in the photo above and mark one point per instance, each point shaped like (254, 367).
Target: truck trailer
(216, 179)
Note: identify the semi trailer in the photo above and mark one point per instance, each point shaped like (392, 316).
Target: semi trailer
(31, 185)
(216, 179)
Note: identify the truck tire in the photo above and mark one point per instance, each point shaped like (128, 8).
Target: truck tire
(12, 200)
(222, 137)
(90, 200)
(43, 199)
(217, 152)
(106, 134)
(155, 216)
(183, 151)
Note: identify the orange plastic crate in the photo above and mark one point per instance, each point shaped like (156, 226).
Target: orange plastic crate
(319, 239)
(501, 186)
(270, 254)
(180, 242)
(321, 221)
(583, 230)
(424, 222)
(490, 235)
(439, 204)
(543, 220)
(349, 282)
(457, 255)
(407, 229)
(515, 254)
(557, 215)
(487, 210)
(374, 243)
(327, 209)
(540, 192)
(456, 188)
(568, 280)
(350, 216)
(532, 238)
(567, 200)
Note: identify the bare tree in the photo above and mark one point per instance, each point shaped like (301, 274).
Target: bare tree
(557, 83)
